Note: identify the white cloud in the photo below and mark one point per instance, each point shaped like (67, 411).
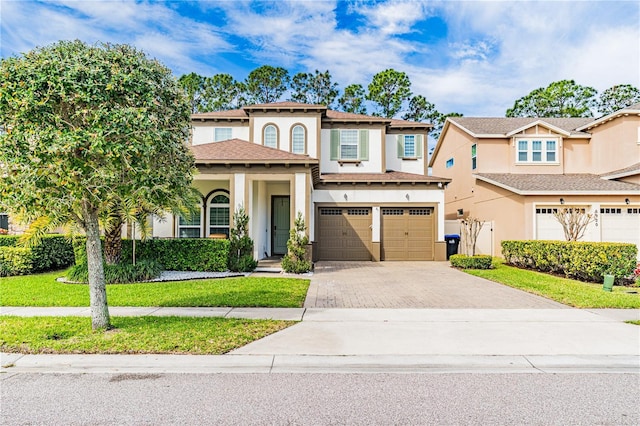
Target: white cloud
(393, 17)
(154, 28)
(493, 53)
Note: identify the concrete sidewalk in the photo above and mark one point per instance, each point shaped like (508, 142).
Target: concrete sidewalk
(383, 340)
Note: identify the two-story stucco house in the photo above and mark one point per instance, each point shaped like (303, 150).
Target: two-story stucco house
(515, 172)
(360, 182)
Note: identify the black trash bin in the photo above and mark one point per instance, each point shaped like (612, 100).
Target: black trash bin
(453, 241)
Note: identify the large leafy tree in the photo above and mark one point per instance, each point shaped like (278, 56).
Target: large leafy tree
(222, 92)
(266, 84)
(562, 98)
(316, 88)
(193, 86)
(389, 89)
(87, 125)
(352, 100)
(616, 98)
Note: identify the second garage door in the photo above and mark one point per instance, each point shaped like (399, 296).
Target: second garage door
(407, 233)
(345, 233)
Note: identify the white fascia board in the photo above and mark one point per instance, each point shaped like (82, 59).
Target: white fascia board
(537, 123)
(620, 175)
(609, 117)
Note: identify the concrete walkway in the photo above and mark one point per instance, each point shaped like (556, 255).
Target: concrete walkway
(382, 340)
(388, 317)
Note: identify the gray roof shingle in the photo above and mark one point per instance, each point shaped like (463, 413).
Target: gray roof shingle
(529, 184)
(505, 125)
(238, 150)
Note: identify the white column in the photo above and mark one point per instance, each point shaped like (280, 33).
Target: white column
(300, 186)
(375, 225)
(239, 195)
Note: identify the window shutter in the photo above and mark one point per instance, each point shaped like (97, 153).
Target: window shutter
(335, 144)
(418, 146)
(400, 140)
(364, 145)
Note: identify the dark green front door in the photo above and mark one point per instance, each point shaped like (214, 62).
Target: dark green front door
(280, 224)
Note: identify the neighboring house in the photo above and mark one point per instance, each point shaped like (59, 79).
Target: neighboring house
(515, 172)
(360, 182)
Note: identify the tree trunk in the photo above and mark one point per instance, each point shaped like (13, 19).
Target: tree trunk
(97, 284)
(113, 241)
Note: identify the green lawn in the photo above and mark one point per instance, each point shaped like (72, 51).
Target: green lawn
(44, 290)
(563, 290)
(132, 335)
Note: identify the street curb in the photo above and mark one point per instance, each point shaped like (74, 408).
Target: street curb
(279, 364)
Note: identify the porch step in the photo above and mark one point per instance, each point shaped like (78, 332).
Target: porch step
(270, 264)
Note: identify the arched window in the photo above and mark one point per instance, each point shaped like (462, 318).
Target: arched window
(298, 139)
(219, 213)
(270, 136)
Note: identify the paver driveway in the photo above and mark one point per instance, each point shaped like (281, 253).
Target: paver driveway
(411, 285)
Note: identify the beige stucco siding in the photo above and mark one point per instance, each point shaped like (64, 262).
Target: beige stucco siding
(613, 146)
(576, 155)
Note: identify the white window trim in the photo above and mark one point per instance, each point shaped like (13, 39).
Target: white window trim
(474, 157)
(199, 227)
(216, 138)
(342, 142)
(446, 163)
(264, 134)
(210, 204)
(304, 139)
(543, 152)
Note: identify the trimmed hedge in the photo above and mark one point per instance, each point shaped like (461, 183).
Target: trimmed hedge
(53, 252)
(479, 261)
(585, 261)
(122, 273)
(174, 254)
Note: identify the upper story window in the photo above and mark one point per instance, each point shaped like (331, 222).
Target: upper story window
(222, 134)
(270, 137)
(474, 156)
(298, 139)
(449, 163)
(538, 150)
(409, 146)
(350, 145)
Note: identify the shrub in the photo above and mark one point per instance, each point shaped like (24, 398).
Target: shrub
(240, 245)
(296, 260)
(143, 270)
(479, 261)
(52, 252)
(586, 261)
(174, 254)
(182, 254)
(15, 261)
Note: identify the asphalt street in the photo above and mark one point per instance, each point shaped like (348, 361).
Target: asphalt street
(320, 399)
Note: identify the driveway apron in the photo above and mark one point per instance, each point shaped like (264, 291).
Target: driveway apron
(401, 285)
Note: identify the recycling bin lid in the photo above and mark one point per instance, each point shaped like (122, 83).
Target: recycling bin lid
(452, 237)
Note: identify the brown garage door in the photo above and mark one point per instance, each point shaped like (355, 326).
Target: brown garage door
(345, 233)
(407, 233)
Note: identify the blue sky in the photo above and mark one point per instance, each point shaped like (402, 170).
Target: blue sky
(473, 57)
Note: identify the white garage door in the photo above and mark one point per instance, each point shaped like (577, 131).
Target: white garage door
(620, 224)
(547, 226)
